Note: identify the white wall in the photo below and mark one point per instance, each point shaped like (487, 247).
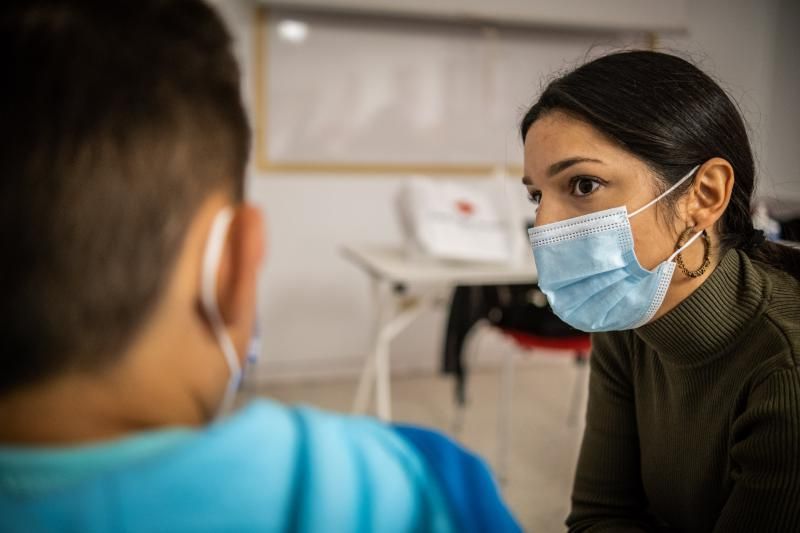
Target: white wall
(315, 308)
(317, 311)
(751, 49)
(782, 132)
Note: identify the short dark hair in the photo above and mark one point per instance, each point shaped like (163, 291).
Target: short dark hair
(118, 119)
(672, 116)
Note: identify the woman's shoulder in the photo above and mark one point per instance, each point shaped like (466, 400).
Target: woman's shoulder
(781, 315)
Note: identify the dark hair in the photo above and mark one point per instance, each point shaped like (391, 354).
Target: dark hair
(672, 116)
(118, 119)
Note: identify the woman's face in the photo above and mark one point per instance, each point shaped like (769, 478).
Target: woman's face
(571, 169)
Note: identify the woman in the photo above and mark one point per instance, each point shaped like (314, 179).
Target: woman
(643, 175)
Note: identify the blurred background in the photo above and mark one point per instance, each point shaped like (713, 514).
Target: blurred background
(385, 134)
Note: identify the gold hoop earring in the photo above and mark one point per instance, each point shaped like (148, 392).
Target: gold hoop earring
(706, 254)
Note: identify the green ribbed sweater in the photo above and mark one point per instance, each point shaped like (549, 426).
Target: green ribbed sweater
(693, 421)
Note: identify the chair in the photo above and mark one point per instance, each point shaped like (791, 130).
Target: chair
(578, 346)
(519, 313)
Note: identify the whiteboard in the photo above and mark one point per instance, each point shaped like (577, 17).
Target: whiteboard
(388, 93)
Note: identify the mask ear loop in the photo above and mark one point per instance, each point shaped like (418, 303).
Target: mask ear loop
(665, 193)
(208, 297)
(685, 246)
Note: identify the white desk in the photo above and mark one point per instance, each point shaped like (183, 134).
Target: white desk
(394, 275)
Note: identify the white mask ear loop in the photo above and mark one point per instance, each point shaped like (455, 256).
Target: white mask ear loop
(208, 296)
(665, 193)
(685, 246)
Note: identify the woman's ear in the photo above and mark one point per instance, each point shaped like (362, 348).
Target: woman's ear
(237, 282)
(710, 193)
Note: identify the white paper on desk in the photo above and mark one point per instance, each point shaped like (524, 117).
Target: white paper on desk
(447, 220)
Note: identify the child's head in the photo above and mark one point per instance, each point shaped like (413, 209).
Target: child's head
(123, 134)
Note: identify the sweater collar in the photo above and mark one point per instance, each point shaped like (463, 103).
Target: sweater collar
(706, 322)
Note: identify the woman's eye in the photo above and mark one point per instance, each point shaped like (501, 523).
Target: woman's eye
(535, 197)
(584, 186)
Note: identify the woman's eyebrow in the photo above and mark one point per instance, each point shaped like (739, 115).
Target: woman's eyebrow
(564, 164)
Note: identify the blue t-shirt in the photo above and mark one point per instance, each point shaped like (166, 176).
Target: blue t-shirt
(267, 468)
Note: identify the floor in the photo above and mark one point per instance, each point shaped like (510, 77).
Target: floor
(543, 445)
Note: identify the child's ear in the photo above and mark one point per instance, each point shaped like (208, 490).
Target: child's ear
(241, 261)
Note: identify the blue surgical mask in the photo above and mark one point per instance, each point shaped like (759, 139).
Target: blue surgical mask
(208, 295)
(590, 274)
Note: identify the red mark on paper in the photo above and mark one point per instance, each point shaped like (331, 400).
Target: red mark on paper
(465, 208)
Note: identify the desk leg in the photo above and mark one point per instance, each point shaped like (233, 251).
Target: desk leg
(382, 373)
(383, 377)
(380, 303)
(388, 325)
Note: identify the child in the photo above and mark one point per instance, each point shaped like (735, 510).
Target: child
(129, 286)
